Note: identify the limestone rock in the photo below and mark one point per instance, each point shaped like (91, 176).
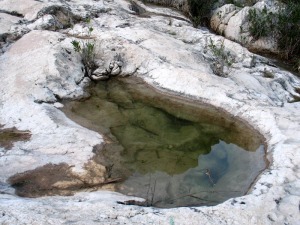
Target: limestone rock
(100, 77)
(61, 14)
(46, 22)
(115, 71)
(6, 21)
(27, 8)
(100, 71)
(220, 18)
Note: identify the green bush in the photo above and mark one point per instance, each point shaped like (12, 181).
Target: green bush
(222, 58)
(283, 25)
(261, 23)
(290, 1)
(289, 29)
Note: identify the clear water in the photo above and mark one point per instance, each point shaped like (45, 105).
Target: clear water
(170, 151)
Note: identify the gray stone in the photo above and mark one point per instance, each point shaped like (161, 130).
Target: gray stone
(115, 71)
(119, 63)
(101, 77)
(100, 71)
(46, 22)
(111, 65)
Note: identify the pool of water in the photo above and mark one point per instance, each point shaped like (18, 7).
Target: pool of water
(168, 150)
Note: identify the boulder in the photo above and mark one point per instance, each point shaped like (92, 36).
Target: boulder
(233, 23)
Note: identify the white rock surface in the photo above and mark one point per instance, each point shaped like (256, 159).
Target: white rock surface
(46, 22)
(41, 68)
(6, 21)
(40, 71)
(28, 8)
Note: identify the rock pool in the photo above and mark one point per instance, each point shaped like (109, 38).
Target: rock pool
(167, 150)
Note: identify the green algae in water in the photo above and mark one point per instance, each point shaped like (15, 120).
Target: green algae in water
(171, 151)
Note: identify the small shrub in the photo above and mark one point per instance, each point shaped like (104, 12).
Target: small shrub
(289, 29)
(223, 59)
(223, 56)
(76, 45)
(297, 64)
(86, 49)
(290, 1)
(261, 22)
(284, 26)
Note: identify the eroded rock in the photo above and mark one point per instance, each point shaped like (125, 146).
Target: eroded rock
(8, 31)
(62, 16)
(46, 22)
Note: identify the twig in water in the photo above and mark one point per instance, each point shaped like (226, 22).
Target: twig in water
(148, 190)
(207, 172)
(193, 196)
(153, 193)
(133, 202)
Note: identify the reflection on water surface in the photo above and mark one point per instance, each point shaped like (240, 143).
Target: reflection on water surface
(170, 151)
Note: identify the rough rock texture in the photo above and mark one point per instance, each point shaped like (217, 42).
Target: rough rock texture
(27, 8)
(233, 23)
(167, 52)
(38, 70)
